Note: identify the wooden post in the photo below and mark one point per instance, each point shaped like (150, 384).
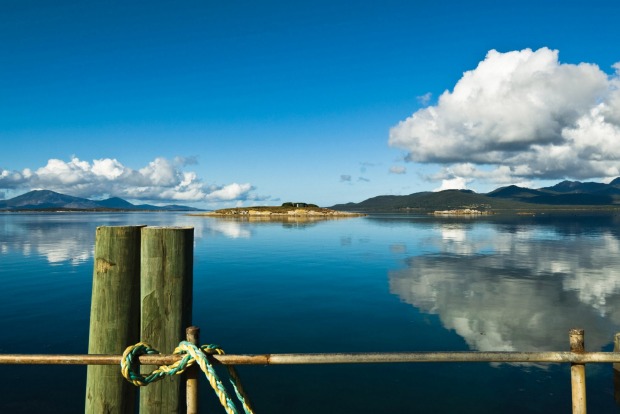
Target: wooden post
(578, 372)
(114, 316)
(192, 374)
(166, 306)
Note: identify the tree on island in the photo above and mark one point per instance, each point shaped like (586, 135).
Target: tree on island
(290, 204)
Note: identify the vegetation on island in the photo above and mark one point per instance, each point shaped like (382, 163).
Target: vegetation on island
(291, 204)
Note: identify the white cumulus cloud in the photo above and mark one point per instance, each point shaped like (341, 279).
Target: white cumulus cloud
(229, 192)
(520, 116)
(456, 183)
(160, 180)
(108, 168)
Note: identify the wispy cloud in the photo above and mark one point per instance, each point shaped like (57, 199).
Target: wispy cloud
(346, 178)
(398, 169)
(160, 180)
(365, 165)
(425, 99)
(525, 115)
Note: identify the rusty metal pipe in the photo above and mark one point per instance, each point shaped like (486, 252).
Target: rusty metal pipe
(326, 358)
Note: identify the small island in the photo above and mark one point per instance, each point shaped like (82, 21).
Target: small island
(287, 209)
(462, 212)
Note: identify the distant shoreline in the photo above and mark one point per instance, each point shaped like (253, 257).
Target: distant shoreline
(319, 212)
(80, 210)
(269, 211)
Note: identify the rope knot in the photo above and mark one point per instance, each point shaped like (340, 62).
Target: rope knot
(130, 368)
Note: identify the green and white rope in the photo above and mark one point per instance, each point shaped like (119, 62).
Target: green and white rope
(191, 354)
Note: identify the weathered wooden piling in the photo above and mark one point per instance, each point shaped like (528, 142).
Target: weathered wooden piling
(166, 262)
(578, 372)
(114, 316)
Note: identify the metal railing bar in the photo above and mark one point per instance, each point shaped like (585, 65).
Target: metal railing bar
(325, 358)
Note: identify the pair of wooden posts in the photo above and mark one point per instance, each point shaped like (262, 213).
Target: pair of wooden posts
(142, 291)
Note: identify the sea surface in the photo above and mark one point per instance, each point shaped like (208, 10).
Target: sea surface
(382, 283)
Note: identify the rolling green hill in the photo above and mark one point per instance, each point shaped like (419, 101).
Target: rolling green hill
(566, 195)
(428, 201)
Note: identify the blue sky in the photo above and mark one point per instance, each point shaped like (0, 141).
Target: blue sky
(217, 104)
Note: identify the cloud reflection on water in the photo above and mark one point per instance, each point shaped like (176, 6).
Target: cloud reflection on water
(57, 242)
(516, 290)
(70, 237)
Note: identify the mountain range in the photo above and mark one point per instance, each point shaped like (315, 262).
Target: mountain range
(51, 200)
(564, 194)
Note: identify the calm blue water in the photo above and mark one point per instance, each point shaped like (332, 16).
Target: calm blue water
(379, 283)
